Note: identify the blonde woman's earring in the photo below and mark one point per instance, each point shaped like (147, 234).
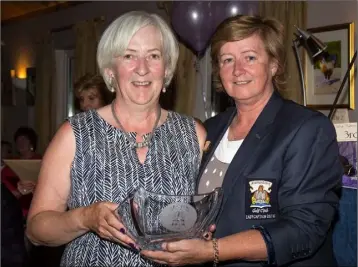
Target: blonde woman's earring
(112, 89)
(164, 90)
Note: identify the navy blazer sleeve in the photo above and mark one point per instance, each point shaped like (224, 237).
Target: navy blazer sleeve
(307, 192)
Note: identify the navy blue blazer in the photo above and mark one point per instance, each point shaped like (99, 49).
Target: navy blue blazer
(292, 152)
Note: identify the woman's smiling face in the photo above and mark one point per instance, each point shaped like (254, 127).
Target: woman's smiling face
(140, 71)
(246, 69)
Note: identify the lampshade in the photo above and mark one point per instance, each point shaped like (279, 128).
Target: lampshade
(312, 44)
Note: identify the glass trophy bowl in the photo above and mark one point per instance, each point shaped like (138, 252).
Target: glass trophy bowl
(151, 219)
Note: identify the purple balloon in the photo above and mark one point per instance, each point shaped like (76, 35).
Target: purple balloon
(192, 21)
(195, 22)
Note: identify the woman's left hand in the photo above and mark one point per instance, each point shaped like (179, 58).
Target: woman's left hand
(183, 252)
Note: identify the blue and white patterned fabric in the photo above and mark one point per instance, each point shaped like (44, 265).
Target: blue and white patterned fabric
(106, 168)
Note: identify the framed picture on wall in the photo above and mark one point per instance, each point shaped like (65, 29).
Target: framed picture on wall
(324, 76)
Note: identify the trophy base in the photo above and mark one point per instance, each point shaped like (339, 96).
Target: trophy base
(150, 245)
(156, 244)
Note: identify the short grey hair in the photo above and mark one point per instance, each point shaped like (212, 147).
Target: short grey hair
(116, 37)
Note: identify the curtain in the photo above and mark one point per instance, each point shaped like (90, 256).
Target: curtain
(185, 81)
(185, 76)
(87, 38)
(45, 98)
(289, 13)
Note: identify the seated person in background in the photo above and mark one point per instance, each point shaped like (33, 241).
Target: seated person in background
(13, 252)
(91, 93)
(26, 140)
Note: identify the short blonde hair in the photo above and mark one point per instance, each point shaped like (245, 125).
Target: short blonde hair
(240, 27)
(117, 36)
(89, 81)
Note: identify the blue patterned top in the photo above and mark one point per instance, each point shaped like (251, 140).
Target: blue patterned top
(106, 168)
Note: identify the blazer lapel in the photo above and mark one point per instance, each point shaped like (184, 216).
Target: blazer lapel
(250, 144)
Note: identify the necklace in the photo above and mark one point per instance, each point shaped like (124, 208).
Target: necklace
(134, 143)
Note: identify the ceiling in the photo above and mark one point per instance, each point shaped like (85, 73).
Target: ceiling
(12, 11)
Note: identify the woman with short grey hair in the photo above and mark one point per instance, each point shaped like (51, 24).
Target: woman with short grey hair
(117, 36)
(100, 156)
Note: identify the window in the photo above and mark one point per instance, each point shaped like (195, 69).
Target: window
(70, 82)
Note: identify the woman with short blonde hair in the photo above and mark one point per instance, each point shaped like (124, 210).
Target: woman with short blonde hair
(265, 147)
(91, 92)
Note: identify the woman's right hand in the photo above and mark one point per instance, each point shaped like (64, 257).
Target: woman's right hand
(101, 218)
